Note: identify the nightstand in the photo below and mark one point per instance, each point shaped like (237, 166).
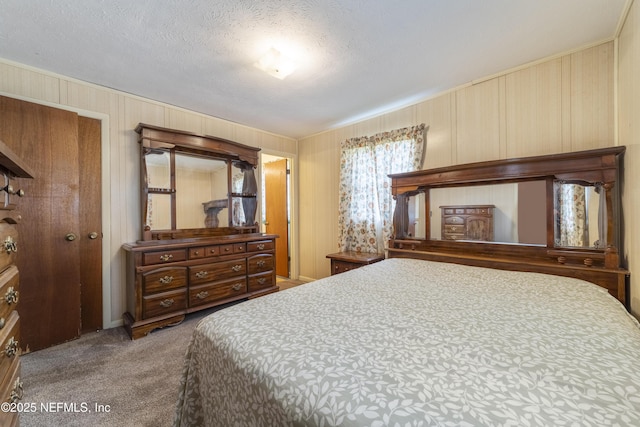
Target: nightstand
(345, 261)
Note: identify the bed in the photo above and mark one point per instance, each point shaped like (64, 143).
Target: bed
(460, 333)
(381, 345)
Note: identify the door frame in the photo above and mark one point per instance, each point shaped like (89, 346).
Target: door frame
(267, 155)
(105, 189)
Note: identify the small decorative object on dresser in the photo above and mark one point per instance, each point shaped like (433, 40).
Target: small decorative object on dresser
(467, 222)
(11, 167)
(348, 260)
(191, 258)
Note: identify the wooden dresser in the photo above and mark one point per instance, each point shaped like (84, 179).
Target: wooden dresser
(166, 280)
(467, 222)
(11, 167)
(349, 260)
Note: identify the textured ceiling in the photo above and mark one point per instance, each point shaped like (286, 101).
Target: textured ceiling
(358, 58)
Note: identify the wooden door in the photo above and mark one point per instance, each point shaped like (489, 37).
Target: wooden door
(90, 228)
(276, 211)
(49, 255)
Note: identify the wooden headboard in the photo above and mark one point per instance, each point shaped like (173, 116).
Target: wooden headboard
(599, 263)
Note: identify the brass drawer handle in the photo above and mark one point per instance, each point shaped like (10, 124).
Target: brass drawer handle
(237, 286)
(261, 263)
(166, 257)
(202, 295)
(201, 274)
(17, 392)
(2, 322)
(167, 302)
(11, 296)
(262, 281)
(166, 280)
(261, 246)
(236, 268)
(11, 349)
(10, 245)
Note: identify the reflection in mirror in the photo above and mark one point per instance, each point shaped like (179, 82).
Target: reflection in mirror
(159, 211)
(158, 169)
(519, 209)
(244, 189)
(200, 191)
(417, 219)
(579, 211)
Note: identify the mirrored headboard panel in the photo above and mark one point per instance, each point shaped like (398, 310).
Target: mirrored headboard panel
(555, 210)
(194, 185)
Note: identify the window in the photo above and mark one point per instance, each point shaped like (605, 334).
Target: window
(366, 204)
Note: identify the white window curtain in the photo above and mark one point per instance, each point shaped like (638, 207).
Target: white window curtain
(366, 204)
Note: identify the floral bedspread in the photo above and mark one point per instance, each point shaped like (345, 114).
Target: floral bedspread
(415, 343)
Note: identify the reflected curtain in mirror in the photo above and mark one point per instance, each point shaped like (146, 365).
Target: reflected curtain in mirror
(572, 214)
(366, 203)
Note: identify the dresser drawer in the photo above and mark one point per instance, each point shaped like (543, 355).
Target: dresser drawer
(261, 281)
(164, 303)
(236, 248)
(454, 228)
(454, 236)
(11, 391)
(211, 292)
(342, 266)
(454, 220)
(217, 271)
(164, 279)
(9, 293)
(9, 341)
(262, 245)
(260, 263)
(8, 244)
(163, 257)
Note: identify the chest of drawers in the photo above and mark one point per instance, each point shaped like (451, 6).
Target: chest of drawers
(11, 167)
(166, 280)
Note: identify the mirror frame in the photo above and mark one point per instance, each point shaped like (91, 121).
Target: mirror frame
(590, 167)
(177, 141)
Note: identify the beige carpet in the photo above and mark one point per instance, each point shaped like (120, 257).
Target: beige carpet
(136, 381)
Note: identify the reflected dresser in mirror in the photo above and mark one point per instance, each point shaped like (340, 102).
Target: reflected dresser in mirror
(200, 246)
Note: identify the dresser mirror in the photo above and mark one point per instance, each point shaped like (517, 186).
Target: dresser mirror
(558, 213)
(562, 202)
(199, 185)
(520, 212)
(194, 186)
(579, 215)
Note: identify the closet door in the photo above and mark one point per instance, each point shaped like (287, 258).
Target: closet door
(48, 254)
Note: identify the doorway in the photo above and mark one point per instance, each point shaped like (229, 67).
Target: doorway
(276, 212)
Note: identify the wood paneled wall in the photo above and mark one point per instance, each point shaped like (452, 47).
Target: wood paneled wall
(628, 104)
(122, 112)
(559, 105)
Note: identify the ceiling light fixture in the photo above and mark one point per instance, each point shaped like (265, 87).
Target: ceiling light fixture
(276, 64)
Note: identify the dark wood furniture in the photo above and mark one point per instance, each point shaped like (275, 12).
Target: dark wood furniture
(467, 222)
(208, 184)
(167, 280)
(11, 167)
(349, 260)
(600, 264)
